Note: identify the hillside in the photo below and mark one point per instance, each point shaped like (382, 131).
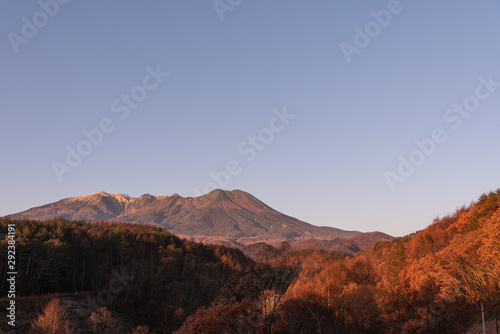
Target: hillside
(350, 245)
(431, 282)
(144, 272)
(227, 217)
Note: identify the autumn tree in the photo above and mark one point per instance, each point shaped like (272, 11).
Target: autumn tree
(103, 321)
(53, 320)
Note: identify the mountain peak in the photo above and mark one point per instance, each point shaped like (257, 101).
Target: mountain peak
(217, 194)
(145, 199)
(102, 193)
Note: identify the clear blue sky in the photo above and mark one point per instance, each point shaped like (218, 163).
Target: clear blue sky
(328, 166)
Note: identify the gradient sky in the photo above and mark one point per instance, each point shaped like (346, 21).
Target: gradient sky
(353, 120)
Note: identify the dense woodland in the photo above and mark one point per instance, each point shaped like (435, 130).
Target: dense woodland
(171, 277)
(430, 282)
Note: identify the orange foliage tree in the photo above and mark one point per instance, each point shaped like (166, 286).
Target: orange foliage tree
(53, 320)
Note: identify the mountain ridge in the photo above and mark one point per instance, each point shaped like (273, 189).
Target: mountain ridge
(220, 216)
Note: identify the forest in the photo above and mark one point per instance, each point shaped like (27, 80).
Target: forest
(141, 279)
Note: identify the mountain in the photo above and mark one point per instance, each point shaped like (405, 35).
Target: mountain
(366, 240)
(231, 218)
(350, 245)
(338, 244)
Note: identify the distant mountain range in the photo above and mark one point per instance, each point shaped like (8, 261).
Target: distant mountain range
(232, 218)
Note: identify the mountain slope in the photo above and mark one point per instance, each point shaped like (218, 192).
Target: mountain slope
(228, 217)
(437, 280)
